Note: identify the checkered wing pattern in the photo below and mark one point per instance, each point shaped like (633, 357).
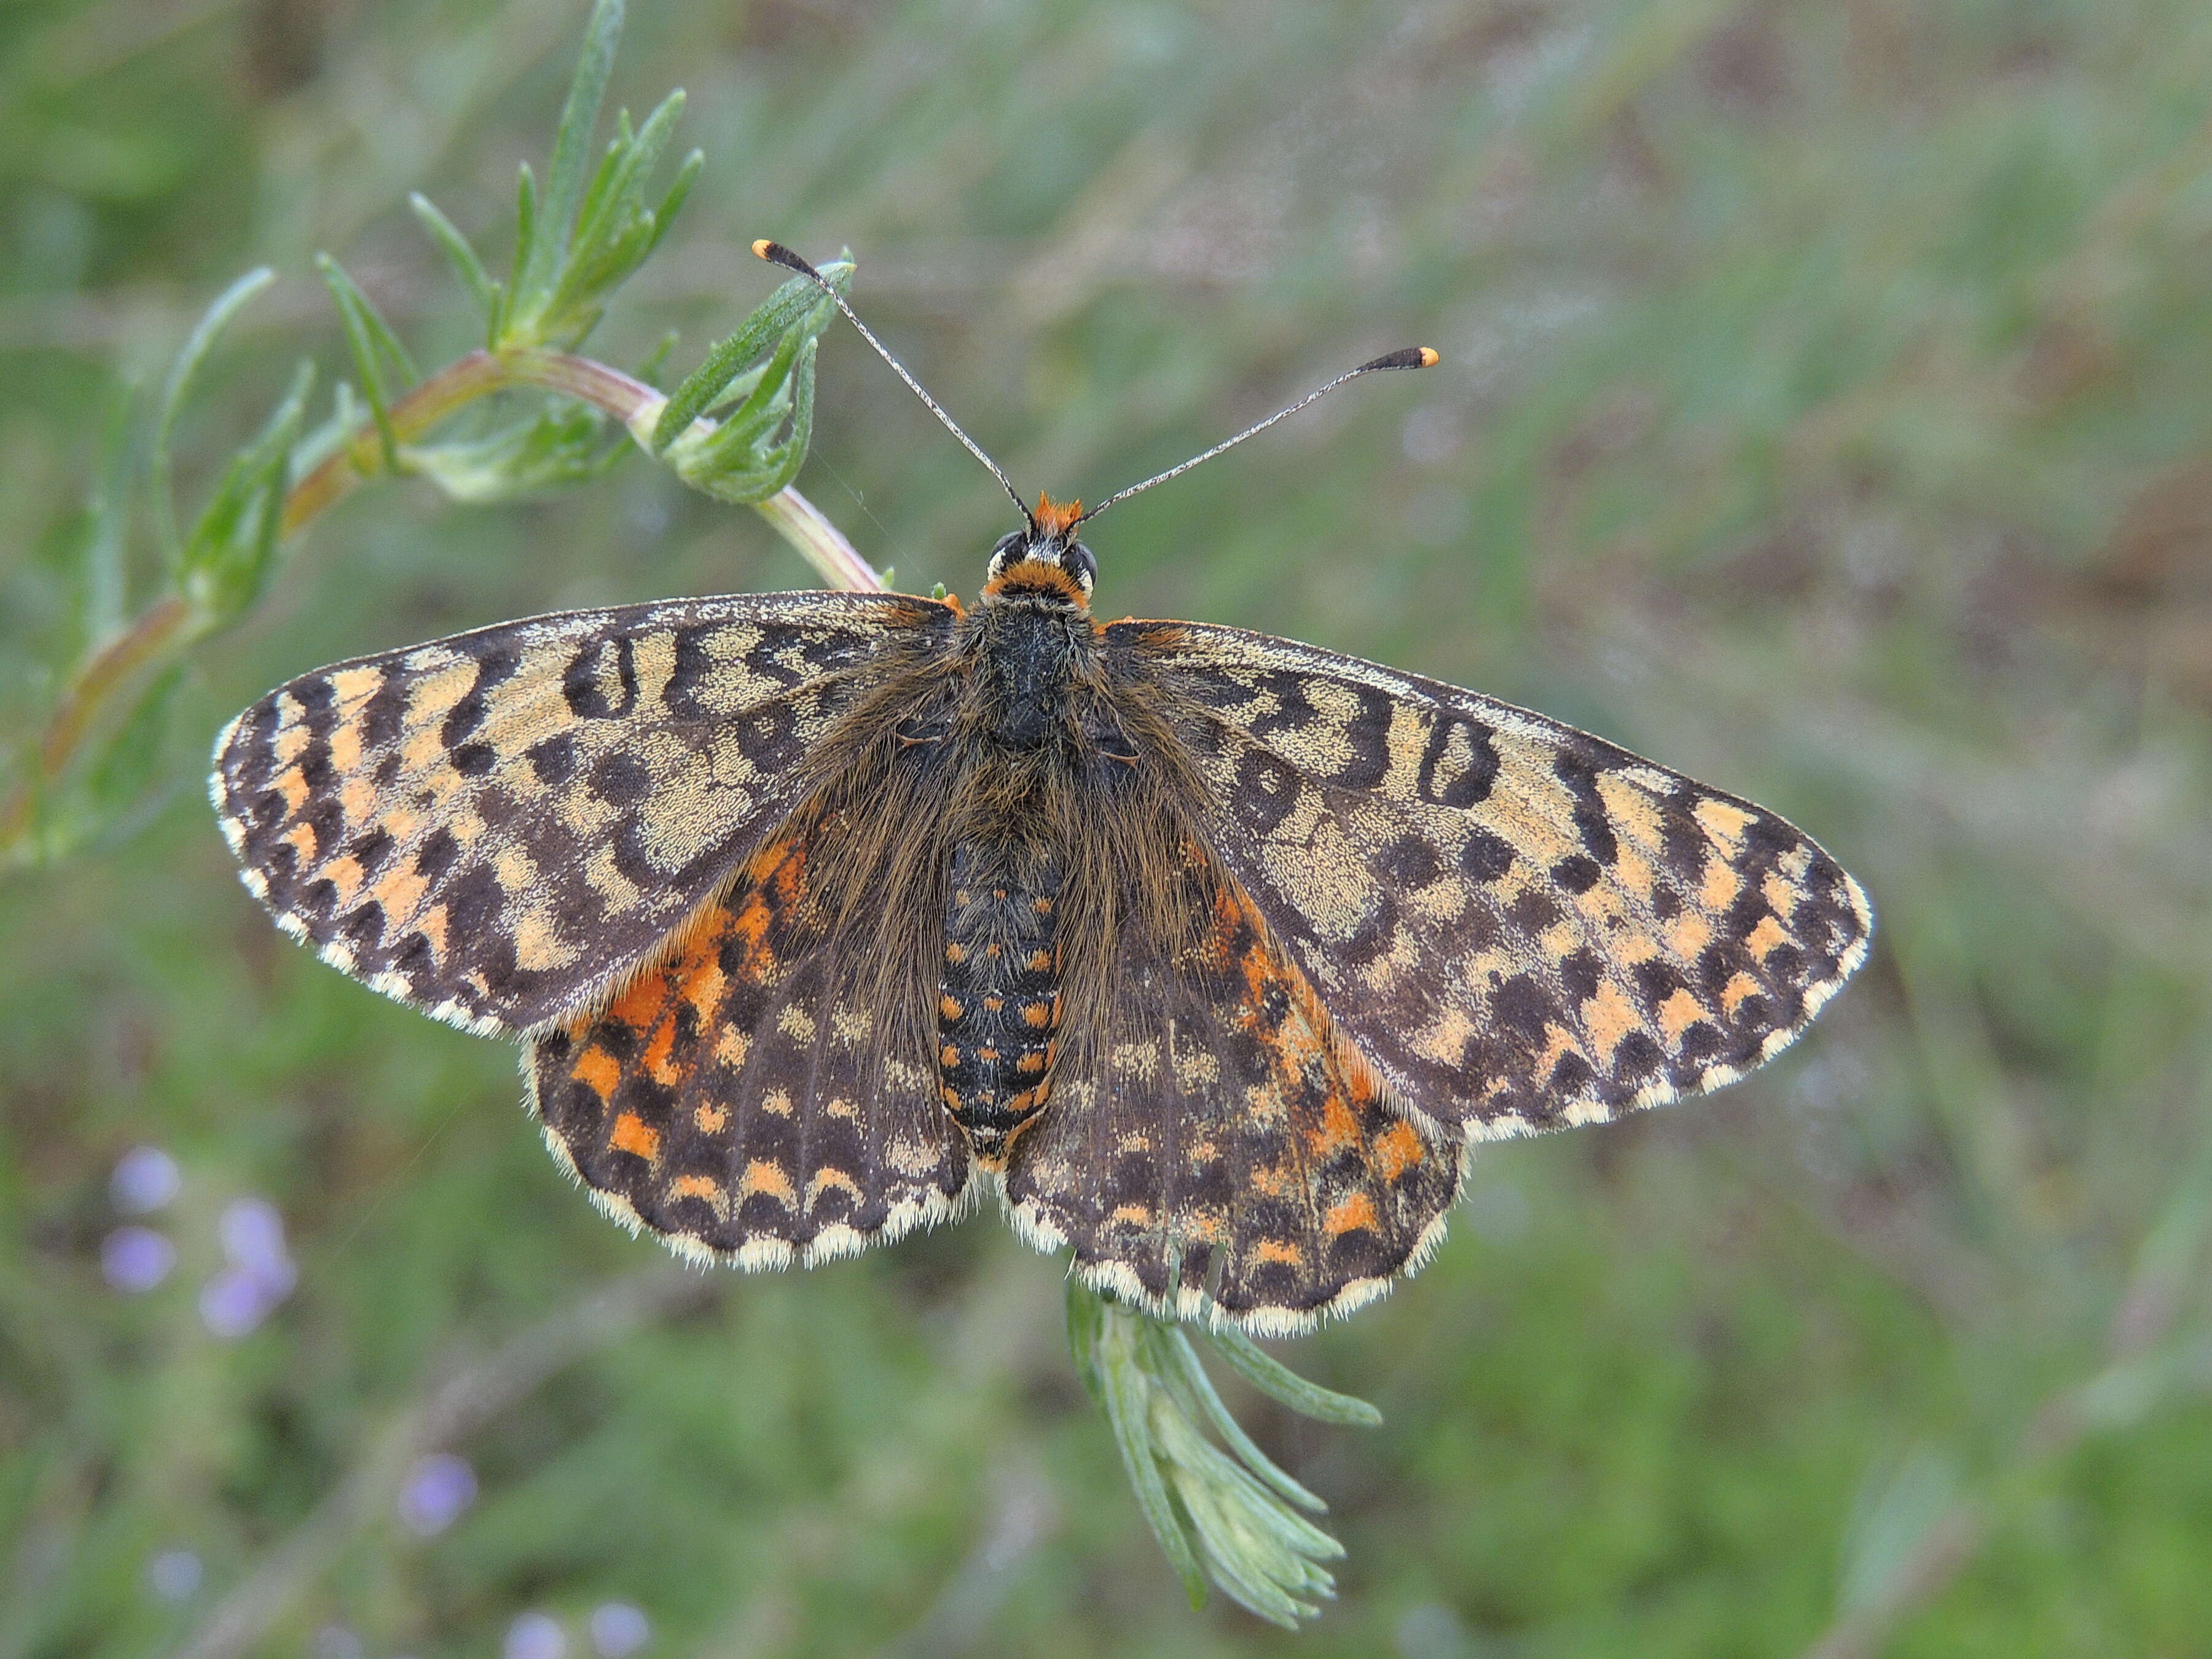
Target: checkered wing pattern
(1519, 926)
(1221, 1152)
(498, 827)
(738, 1099)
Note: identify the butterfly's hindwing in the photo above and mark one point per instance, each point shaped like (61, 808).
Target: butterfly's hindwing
(738, 1099)
(1520, 925)
(498, 826)
(1220, 1153)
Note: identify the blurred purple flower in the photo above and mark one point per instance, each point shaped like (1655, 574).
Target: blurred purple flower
(136, 1258)
(232, 1303)
(261, 1273)
(535, 1635)
(436, 1489)
(252, 1235)
(144, 1180)
(174, 1575)
(618, 1630)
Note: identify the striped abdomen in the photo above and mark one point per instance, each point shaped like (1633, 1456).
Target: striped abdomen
(997, 1010)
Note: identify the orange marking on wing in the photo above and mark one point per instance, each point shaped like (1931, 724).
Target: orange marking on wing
(1336, 1131)
(1678, 1013)
(632, 1134)
(1353, 1215)
(1765, 937)
(1397, 1150)
(1779, 893)
(763, 1176)
(1609, 1016)
(826, 1176)
(640, 1005)
(1739, 987)
(345, 874)
(695, 1186)
(704, 981)
(1720, 887)
(656, 1059)
(1689, 935)
(1036, 1016)
(598, 1071)
(710, 1119)
(1270, 1181)
(1276, 1250)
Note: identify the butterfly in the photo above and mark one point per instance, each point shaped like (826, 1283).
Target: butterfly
(1212, 954)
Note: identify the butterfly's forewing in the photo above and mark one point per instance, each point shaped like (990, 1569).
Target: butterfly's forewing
(1216, 1151)
(738, 1098)
(498, 827)
(1519, 924)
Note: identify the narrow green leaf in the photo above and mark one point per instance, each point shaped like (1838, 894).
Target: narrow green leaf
(108, 518)
(796, 302)
(604, 193)
(232, 548)
(372, 344)
(787, 457)
(1128, 1400)
(1278, 1381)
(459, 255)
(672, 203)
(564, 176)
(182, 372)
(526, 239)
(1181, 1360)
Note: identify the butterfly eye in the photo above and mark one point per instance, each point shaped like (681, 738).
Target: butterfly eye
(1007, 545)
(1079, 562)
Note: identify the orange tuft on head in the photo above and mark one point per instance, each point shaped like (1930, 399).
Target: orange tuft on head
(1057, 518)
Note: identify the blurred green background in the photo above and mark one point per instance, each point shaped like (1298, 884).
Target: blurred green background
(1827, 411)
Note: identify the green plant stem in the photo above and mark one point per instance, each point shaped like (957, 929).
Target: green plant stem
(159, 632)
(167, 627)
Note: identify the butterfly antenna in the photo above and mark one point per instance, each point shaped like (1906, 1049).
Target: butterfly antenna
(777, 254)
(1411, 357)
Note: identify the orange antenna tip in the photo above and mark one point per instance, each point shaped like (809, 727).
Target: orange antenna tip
(761, 248)
(1429, 358)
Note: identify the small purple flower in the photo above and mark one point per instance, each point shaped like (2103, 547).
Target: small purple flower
(261, 1273)
(136, 1258)
(252, 1235)
(174, 1575)
(436, 1491)
(232, 1303)
(535, 1635)
(618, 1630)
(144, 1180)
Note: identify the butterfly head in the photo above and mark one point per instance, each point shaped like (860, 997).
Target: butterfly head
(1044, 557)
